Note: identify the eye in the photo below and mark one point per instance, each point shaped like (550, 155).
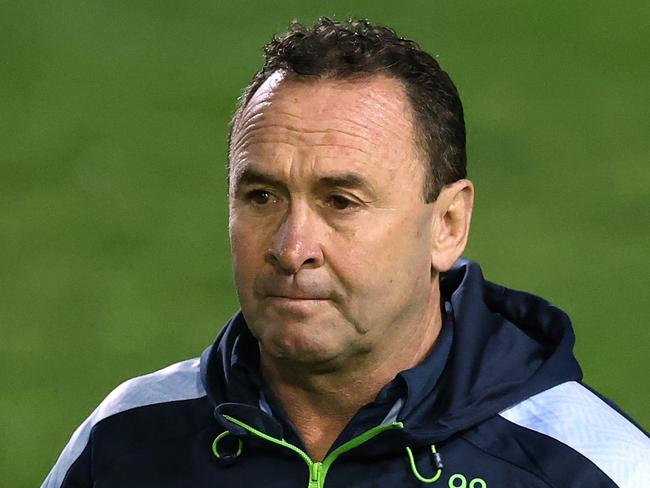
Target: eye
(340, 202)
(259, 197)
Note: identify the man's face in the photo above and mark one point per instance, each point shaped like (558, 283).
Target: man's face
(330, 236)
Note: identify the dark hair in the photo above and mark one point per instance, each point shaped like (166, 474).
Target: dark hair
(357, 48)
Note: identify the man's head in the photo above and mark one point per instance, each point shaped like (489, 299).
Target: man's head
(358, 49)
(336, 253)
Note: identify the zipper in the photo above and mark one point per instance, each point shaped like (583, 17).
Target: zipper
(316, 478)
(318, 470)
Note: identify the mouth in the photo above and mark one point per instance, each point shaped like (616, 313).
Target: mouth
(291, 298)
(295, 305)
(294, 295)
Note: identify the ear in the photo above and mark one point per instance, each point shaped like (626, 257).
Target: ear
(450, 226)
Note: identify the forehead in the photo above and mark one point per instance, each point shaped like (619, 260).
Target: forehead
(363, 123)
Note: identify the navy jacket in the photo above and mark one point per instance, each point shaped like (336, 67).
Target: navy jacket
(497, 403)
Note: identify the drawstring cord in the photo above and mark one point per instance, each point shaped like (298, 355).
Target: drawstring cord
(226, 457)
(437, 459)
(437, 462)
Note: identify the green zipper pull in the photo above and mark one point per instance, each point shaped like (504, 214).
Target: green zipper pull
(316, 475)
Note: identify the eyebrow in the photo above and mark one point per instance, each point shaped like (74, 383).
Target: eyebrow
(252, 177)
(347, 180)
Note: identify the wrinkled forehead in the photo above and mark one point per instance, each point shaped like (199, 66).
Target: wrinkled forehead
(372, 110)
(259, 100)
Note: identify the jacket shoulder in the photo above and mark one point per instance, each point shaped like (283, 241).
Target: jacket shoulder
(578, 418)
(180, 381)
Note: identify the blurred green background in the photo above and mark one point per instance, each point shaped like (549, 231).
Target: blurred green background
(113, 246)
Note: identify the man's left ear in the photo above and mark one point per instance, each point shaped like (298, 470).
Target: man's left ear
(453, 214)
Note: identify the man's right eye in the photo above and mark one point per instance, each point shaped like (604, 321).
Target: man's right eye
(259, 197)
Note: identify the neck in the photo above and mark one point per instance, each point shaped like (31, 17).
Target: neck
(321, 403)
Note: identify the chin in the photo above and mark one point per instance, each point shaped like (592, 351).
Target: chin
(302, 344)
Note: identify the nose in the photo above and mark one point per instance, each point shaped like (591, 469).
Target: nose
(296, 244)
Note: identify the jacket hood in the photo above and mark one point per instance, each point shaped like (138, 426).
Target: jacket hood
(503, 347)
(508, 345)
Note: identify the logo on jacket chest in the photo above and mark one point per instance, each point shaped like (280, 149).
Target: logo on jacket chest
(458, 480)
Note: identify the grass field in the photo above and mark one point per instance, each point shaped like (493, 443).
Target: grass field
(114, 254)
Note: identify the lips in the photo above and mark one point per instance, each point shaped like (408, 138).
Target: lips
(296, 297)
(292, 292)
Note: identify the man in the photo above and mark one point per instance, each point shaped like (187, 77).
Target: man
(366, 353)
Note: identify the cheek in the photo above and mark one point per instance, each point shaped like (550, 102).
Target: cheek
(247, 253)
(389, 251)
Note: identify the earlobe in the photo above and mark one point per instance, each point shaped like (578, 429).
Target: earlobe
(453, 209)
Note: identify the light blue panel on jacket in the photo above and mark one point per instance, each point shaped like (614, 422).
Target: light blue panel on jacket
(575, 416)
